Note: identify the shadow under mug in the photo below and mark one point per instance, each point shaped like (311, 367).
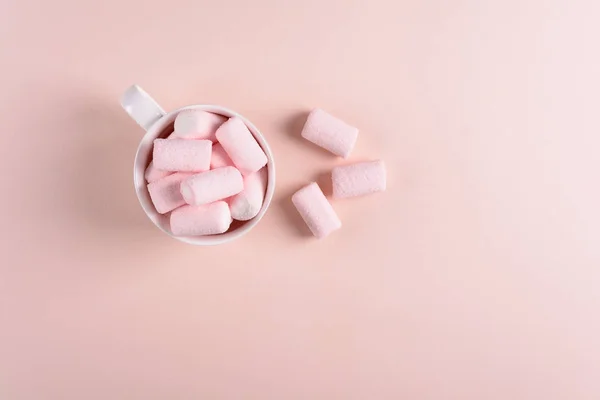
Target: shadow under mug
(157, 123)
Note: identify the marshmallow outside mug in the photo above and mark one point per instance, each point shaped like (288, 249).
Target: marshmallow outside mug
(156, 122)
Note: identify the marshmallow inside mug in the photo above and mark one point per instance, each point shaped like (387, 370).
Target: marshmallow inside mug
(162, 129)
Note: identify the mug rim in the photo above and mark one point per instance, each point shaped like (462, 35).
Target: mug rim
(161, 221)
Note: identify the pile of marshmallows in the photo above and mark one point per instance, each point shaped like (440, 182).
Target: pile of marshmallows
(352, 180)
(211, 171)
(208, 172)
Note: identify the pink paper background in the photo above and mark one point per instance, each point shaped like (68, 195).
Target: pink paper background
(476, 276)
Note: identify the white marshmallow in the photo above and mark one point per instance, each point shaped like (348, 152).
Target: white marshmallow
(246, 204)
(197, 124)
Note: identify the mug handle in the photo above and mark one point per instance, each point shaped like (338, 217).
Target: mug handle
(141, 107)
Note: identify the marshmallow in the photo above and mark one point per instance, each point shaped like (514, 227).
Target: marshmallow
(241, 146)
(213, 185)
(153, 174)
(316, 211)
(246, 204)
(219, 157)
(182, 155)
(165, 193)
(358, 179)
(197, 124)
(209, 219)
(330, 133)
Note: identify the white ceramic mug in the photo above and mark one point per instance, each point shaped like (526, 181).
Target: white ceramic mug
(157, 123)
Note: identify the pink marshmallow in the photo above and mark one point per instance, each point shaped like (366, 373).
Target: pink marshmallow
(246, 204)
(213, 185)
(316, 211)
(197, 124)
(219, 157)
(153, 174)
(165, 193)
(209, 219)
(182, 155)
(358, 179)
(241, 146)
(330, 133)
